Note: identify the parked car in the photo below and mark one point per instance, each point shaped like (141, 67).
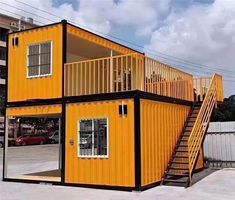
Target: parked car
(1, 138)
(54, 138)
(31, 139)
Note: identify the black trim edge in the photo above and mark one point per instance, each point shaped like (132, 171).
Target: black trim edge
(155, 97)
(5, 115)
(126, 95)
(106, 187)
(63, 117)
(31, 181)
(35, 102)
(151, 185)
(100, 97)
(34, 28)
(137, 142)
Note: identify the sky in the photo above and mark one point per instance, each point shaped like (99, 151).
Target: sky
(197, 36)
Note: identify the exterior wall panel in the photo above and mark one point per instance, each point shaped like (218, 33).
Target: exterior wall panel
(21, 88)
(34, 111)
(161, 125)
(116, 170)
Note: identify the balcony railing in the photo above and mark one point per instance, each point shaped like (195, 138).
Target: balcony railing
(104, 75)
(125, 73)
(201, 86)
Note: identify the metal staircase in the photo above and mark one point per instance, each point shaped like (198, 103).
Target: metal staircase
(177, 172)
(184, 158)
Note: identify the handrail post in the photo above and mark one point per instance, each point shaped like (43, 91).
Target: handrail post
(111, 71)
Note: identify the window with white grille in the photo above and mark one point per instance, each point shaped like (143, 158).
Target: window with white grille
(39, 60)
(93, 138)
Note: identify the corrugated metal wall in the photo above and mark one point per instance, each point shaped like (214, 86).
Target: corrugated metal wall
(220, 127)
(219, 144)
(118, 169)
(34, 110)
(20, 87)
(161, 125)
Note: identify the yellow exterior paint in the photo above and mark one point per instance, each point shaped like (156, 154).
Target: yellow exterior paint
(161, 125)
(98, 40)
(21, 88)
(200, 161)
(118, 169)
(34, 111)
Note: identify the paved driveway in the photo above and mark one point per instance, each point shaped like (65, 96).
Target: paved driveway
(219, 185)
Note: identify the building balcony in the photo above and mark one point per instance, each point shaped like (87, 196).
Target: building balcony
(125, 73)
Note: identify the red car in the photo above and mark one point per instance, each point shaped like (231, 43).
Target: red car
(31, 139)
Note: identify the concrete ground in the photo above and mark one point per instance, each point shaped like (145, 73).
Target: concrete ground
(219, 185)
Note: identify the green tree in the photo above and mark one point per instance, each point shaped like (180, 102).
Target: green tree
(225, 111)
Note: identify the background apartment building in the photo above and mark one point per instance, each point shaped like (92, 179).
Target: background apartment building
(8, 24)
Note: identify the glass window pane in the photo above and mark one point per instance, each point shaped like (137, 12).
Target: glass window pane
(93, 137)
(100, 137)
(33, 60)
(46, 47)
(45, 59)
(34, 49)
(85, 139)
(33, 71)
(45, 69)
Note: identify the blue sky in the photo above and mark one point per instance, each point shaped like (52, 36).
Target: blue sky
(172, 31)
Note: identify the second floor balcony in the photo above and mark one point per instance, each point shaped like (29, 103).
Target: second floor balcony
(125, 73)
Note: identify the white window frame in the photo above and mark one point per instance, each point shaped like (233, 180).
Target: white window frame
(27, 58)
(78, 140)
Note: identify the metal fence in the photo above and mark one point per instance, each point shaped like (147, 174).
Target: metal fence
(219, 149)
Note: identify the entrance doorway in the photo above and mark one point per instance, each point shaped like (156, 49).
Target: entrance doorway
(33, 148)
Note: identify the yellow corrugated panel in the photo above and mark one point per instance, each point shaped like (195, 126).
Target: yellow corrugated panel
(161, 126)
(20, 87)
(98, 40)
(118, 169)
(34, 110)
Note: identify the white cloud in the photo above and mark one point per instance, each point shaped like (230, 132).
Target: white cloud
(141, 15)
(203, 34)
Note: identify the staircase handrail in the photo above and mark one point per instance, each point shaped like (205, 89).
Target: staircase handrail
(201, 123)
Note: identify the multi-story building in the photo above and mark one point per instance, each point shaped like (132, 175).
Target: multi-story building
(126, 121)
(8, 24)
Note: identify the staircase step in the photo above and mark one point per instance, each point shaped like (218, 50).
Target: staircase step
(178, 162)
(182, 154)
(181, 145)
(174, 180)
(193, 115)
(186, 133)
(190, 124)
(177, 175)
(181, 151)
(177, 171)
(192, 119)
(184, 139)
(183, 142)
(182, 148)
(196, 110)
(181, 166)
(189, 128)
(179, 156)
